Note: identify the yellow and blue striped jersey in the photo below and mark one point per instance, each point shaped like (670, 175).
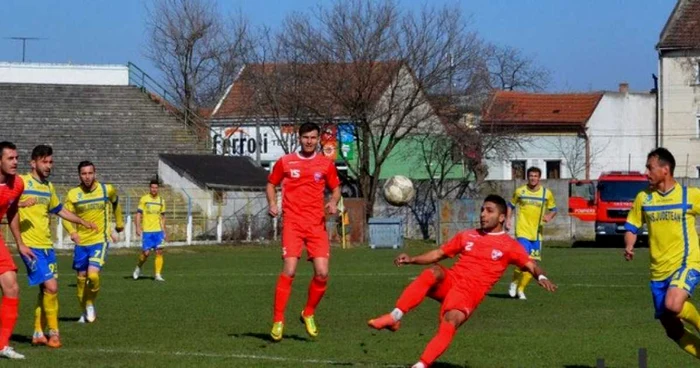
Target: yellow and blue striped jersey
(34, 220)
(99, 206)
(670, 219)
(531, 206)
(151, 208)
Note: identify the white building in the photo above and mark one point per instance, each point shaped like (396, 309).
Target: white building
(44, 73)
(679, 87)
(571, 135)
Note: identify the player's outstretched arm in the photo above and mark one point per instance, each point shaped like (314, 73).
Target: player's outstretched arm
(427, 258)
(542, 279)
(70, 216)
(630, 241)
(13, 220)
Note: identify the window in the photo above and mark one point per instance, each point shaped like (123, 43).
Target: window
(517, 169)
(698, 168)
(554, 169)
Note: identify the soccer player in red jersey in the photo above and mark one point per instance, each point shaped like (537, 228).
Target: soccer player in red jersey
(304, 175)
(484, 255)
(11, 187)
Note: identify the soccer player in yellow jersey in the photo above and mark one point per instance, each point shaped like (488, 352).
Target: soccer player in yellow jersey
(669, 211)
(38, 200)
(152, 212)
(95, 202)
(535, 206)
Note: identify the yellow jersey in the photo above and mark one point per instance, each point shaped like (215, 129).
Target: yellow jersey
(34, 220)
(531, 206)
(151, 208)
(99, 206)
(670, 219)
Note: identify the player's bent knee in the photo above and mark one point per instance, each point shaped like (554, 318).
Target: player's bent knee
(10, 290)
(454, 317)
(437, 272)
(50, 287)
(673, 326)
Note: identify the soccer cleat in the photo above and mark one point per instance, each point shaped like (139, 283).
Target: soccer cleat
(384, 321)
(137, 273)
(513, 289)
(10, 353)
(90, 314)
(310, 324)
(159, 278)
(54, 340)
(419, 365)
(38, 338)
(82, 318)
(521, 295)
(277, 331)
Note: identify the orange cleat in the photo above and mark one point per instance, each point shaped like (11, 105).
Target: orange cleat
(54, 340)
(385, 321)
(38, 339)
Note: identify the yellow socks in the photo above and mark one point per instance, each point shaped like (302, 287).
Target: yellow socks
(93, 288)
(50, 304)
(159, 263)
(39, 314)
(80, 288)
(689, 343)
(142, 259)
(690, 314)
(525, 279)
(516, 275)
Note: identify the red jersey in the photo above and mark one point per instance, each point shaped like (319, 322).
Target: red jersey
(9, 197)
(483, 258)
(304, 180)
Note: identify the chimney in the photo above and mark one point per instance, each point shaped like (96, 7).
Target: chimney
(624, 87)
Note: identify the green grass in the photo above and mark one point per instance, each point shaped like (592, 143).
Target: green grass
(215, 310)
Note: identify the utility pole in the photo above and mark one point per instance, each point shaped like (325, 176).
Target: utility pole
(24, 43)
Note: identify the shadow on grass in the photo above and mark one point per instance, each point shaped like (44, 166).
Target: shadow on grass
(141, 278)
(21, 339)
(266, 336)
(68, 319)
(499, 296)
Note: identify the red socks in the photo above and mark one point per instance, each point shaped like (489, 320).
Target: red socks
(282, 291)
(8, 318)
(416, 291)
(439, 343)
(317, 288)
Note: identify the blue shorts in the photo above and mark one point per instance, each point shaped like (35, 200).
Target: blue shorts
(532, 248)
(89, 255)
(685, 278)
(152, 240)
(43, 268)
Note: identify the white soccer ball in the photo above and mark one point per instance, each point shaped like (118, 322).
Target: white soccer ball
(398, 190)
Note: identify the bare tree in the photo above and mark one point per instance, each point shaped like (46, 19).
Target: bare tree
(195, 49)
(573, 150)
(511, 70)
(370, 64)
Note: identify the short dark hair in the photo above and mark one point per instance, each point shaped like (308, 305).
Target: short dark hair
(41, 151)
(6, 145)
(498, 201)
(154, 181)
(665, 158)
(534, 169)
(85, 164)
(309, 127)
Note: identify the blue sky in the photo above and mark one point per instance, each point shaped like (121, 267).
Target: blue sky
(586, 44)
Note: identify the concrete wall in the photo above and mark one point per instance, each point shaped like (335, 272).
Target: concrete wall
(680, 110)
(621, 132)
(113, 75)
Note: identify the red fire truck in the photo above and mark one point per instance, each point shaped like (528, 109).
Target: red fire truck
(606, 201)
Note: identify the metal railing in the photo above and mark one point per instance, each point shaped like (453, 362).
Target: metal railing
(195, 123)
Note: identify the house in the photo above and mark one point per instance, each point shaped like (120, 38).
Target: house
(678, 125)
(260, 112)
(569, 135)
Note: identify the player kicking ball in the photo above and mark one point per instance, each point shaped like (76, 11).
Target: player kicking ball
(484, 255)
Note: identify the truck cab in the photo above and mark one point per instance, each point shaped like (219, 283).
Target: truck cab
(607, 201)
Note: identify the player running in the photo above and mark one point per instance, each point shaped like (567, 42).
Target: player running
(152, 212)
(484, 255)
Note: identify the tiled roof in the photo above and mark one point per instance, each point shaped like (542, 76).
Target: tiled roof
(682, 30)
(565, 109)
(285, 90)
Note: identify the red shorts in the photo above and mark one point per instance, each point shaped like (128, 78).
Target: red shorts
(6, 262)
(454, 296)
(295, 236)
